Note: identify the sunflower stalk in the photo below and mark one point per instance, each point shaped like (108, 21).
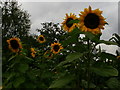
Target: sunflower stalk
(88, 64)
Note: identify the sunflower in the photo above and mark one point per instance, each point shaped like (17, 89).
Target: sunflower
(33, 52)
(118, 57)
(48, 54)
(33, 55)
(56, 47)
(41, 39)
(65, 24)
(91, 20)
(14, 44)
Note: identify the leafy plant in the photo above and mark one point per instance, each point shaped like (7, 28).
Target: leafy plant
(58, 58)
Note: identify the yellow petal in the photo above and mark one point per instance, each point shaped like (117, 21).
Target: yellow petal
(70, 14)
(81, 24)
(86, 10)
(97, 11)
(101, 18)
(82, 12)
(88, 29)
(67, 15)
(102, 22)
(118, 57)
(96, 31)
(85, 29)
(101, 26)
(90, 9)
(81, 18)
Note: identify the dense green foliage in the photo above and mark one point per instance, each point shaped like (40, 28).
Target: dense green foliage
(79, 65)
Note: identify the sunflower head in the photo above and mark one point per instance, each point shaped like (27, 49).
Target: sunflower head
(56, 47)
(33, 52)
(33, 55)
(91, 20)
(41, 39)
(48, 54)
(14, 44)
(68, 26)
(118, 57)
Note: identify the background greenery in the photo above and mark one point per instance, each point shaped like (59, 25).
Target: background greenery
(79, 65)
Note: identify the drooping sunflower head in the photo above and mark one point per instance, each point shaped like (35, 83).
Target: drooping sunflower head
(14, 44)
(48, 54)
(91, 20)
(56, 47)
(33, 52)
(41, 39)
(33, 55)
(68, 26)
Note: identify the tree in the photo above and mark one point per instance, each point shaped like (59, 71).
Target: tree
(15, 21)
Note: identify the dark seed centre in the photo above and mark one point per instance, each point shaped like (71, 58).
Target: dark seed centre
(56, 48)
(91, 21)
(14, 44)
(41, 39)
(67, 22)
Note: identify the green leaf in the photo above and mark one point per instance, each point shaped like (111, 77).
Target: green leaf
(23, 67)
(19, 58)
(73, 21)
(73, 56)
(12, 58)
(89, 35)
(62, 81)
(117, 36)
(85, 84)
(116, 39)
(9, 85)
(79, 47)
(46, 74)
(93, 37)
(18, 81)
(105, 71)
(9, 76)
(113, 83)
(30, 85)
(108, 56)
(96, 38)
(31, 75)
(30, 59)
(72, 37)
(107, 42)
(70, 58)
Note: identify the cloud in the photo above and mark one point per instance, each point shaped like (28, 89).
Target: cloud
(68, 0)
(109, 48)
(55, 11)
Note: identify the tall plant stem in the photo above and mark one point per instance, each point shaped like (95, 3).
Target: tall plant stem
(88, 65)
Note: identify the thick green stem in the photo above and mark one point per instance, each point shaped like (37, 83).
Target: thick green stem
(88, 65)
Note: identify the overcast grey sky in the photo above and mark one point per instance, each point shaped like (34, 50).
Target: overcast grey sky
(55, 12)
